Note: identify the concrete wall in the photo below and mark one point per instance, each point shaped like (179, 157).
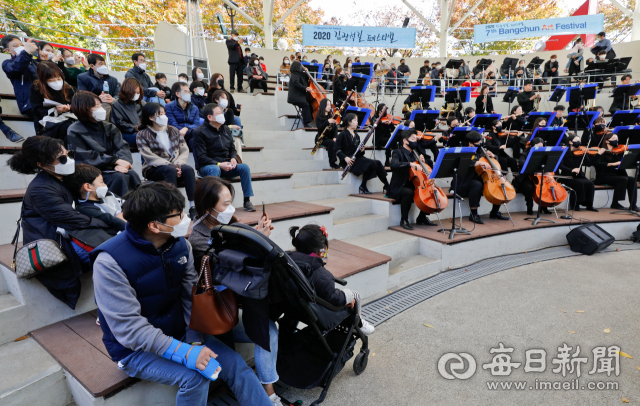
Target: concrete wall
(169, 38)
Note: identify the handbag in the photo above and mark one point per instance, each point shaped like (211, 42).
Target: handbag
(213, 312)
(35, 257)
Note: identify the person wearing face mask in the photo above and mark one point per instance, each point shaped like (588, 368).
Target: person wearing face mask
(558, 119)
(198, 97)
(297, 93)
(523, 183)
(127, 110)
(48, 207)
(325, 121)
(182, 113)
(327, 76)
(197, 75)
(285, 71)
(67, 62)
(52, 121)
(45, 52)
(138, 72)
(161, 83)
(405, 70)
(571, 170)
(94, 199)
(98, 81)
(621, 102)
(99, 143)
(217, 83)
(575, 56)
(215, 153)
(603, 44)
(394, 83)
(247, 55)
(165, 152)
(497, 145)
(607, 173)
(339, 84)
(401, 188)
(435, 76)
(257, 76)
(551, 69)
(236, 61)
(20, 68)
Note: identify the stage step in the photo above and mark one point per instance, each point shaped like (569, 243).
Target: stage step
(413, 267)
(346, 207)
(388, 242)
(314, 178)
(30, 376)
(359, 225)
(317, 192)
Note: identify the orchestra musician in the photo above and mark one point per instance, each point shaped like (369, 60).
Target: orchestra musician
(401, 188)
(383, 133)
(469, 114)
(325, 119)
(430, 145)
(484, 102)
(497, 146)
(471, 185)
(558, 120)
(347, 143)
(297, 94)
(526, 98)
(583, 188)
(607, 172)
(339, 84)
(516, 119)
(523, 183)
(621, 102)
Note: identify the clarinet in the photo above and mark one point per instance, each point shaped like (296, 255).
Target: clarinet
(338, 114)
(364, 141)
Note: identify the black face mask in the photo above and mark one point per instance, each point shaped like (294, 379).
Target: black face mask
(576, 144)
(478, 145)
(394, 68)
(613, 143)
(599, 127)
(498, 129)
(413, 144)
(221, 82)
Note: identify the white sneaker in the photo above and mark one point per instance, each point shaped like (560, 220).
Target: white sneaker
(577, 63)
(366, 328)
(275, 399)
(98, 321)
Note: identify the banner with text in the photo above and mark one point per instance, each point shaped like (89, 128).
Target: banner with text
(345, 36)
(587, 24)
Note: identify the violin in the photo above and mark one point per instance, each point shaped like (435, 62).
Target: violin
(428, 197)
(425, 136)
(552, 192)
(497, 189)
(584, 150)
(509, 133)
(620, 149)
(389, 119)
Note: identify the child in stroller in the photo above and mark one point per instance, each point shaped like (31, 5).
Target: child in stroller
(312, 243)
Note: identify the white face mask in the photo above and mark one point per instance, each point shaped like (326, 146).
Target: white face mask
(142, 66)
(553, 60)
(186, 97)
(67, 168)
(286, 61)
(223, 103)
(101, 191)
(136, 96)
(70, 61)
(18, 49)
(225, 216)
(103, 70)
(51, 55)
(180, 229)
(100, 114)
(200, 76)
(220, 118)
(200, 92)
(256, 63)
(162, 120)
(57, 85)
(182, 80)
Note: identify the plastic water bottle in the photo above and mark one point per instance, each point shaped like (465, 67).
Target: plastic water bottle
(105, 87)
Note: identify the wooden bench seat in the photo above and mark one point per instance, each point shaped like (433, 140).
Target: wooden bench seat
(14, 117)
(12, 149)
(346, 259)
(380, 196)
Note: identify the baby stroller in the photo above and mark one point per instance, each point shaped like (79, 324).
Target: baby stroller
(316, 339)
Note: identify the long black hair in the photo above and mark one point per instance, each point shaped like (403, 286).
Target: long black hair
(308, 239)
(36, 149)
(348, 118)
(323, 107)
(149, 110)
(296, 66)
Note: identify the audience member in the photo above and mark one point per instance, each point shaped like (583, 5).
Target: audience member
(551, 68)
(197, 75)
(138, 72)
(247, 56)
(183, 78)
(45, 52)
(575, 56)
(236, 61)
(20, 69)
(67, 62)
(405, 70)
(257, 77)
(143, 315)
(285, 70)
(161, 83)
(603, 44)
(164, 152)
(262, 65)
(127, 110)
(181, 112)
(48, 213)
(198, 97)
(98, 81)
(215, 152)
(50, 97)
(217, 83)
(99, 143)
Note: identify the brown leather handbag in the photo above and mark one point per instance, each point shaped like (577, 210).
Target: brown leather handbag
(213, 312)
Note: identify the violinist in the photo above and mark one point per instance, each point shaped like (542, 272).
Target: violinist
(383, 133)
(607, 172)
(471, 185)
(325, 119)
(558, 120)
(527, 98)
(497, 146)
(516, 119)
(484, 102)
(452, 122)
(571, 165)
(297, 95)
(347, 144)
(401, 188)
(424, 145)
(339, 84)
(524, 184)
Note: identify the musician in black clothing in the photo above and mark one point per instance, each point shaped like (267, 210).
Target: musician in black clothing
(424, 145)
(516, 119)
(607, 172)
(469, 114)
(471, 184)
(524, 184)
(527, 97)
(583, 189)
(339, 84)
(558, 120)
(298, 88)
(401, 188)
(424, 70)
(452, 122)
(497, 146)
(347, 144)
(621, 102)
(325, 119)
(383, 133)
(484, 102)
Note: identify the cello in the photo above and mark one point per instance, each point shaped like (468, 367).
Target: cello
(497, 189)
(317, 93)
(552, 192)
(428, 197)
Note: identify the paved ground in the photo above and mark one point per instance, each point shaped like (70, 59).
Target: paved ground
(530, 307)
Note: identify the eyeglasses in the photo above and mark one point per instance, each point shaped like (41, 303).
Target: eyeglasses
(181, 214)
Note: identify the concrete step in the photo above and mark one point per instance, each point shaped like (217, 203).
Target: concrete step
(253, 137)
(346, 207)
(317, 192)
(11, 179)
(388, 242)
(315, 178)
(276, 144)
(287, 166)
(24, 128)
(10, 106)
(359, 225)
(287, 154)
(411, 268)
(30, 376)
(10, 214)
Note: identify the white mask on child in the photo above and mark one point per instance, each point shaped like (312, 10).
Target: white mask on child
(101, 191)
(180, 229)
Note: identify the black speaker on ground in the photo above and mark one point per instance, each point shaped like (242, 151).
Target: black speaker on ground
(635, 236)
(589, 239)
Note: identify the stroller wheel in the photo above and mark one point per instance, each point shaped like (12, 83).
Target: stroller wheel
(360, 363)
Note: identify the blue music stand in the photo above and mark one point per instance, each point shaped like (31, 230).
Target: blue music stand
(399, 128)
(450, 163)
(362, 113)
(552, 136)
(581, 93)
(424, 119)
(482, 120)
(539, 159)
(557, 94)
(459, 134)
(313, 68)
(358, 82)
(422, 94)
(363, 68)
(547, 115)
(450, 95)
(624, 117)
(580, 120)
(631, 133)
